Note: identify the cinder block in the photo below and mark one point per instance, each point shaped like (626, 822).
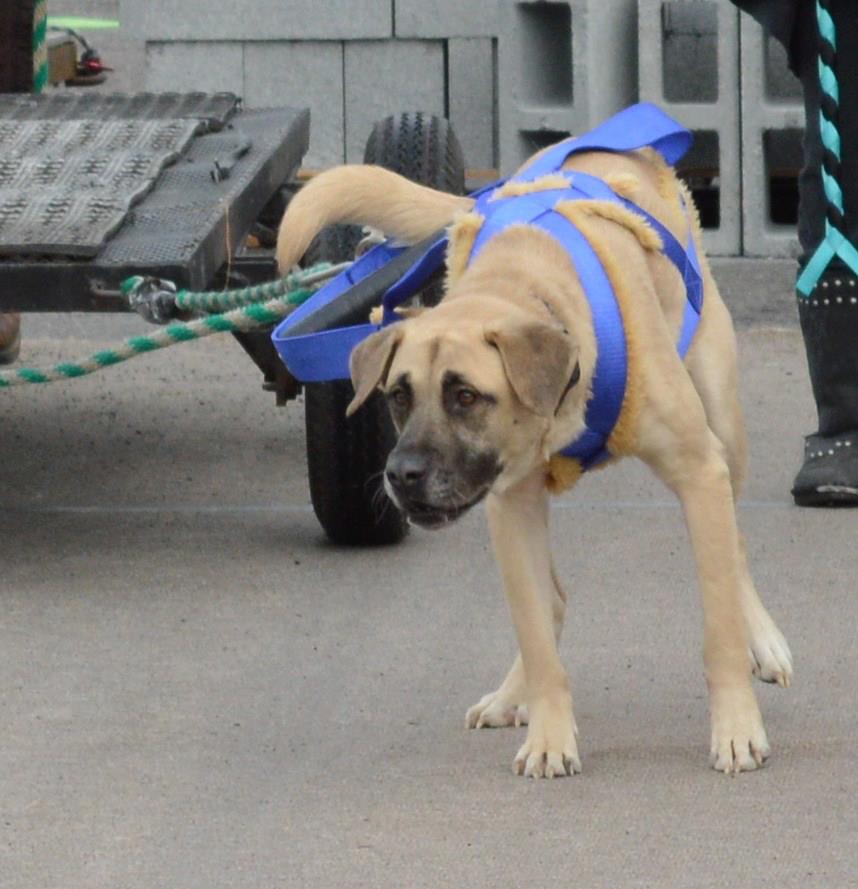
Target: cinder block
(562, 67)
(772, 124)
(693, 74)
(260, 20)
(446, 18)
(306, 74)
(210, 67)
(690, 51)
(388, 77)
(472, 100)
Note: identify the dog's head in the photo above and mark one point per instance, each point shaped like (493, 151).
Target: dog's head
(472, 398)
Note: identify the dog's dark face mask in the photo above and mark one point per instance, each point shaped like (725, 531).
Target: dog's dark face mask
(471, 404)
(443, 463)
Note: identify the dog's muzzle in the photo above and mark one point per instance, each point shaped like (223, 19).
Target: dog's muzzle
(431, 497)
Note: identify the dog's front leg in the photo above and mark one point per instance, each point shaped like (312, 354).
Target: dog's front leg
(518, 520)
(698, 473)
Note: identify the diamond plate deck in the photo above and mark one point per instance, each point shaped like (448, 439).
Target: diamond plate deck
(213, 109)
(184, 228)
(67, 185)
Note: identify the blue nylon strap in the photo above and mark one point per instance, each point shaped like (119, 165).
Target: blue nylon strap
(414, 279)
(609, 379)
(370, 262)
(685, 259)
(323, 356)
(639, 126)
(581, 185)
(316, 357)
(504, 212)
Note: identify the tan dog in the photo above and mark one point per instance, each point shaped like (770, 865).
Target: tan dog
(488, 386)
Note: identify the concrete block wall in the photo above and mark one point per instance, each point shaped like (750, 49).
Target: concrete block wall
(207, 20)
(351, 62)
(415, 67)
(562, 67)
(772, 125)
(512, 75)
(689, 64)
(446, 18)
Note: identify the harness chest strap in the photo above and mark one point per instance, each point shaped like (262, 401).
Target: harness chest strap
(544, 206)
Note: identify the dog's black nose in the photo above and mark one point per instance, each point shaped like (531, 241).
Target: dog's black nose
(406, 471)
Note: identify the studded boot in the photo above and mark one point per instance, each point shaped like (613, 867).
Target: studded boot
(829, 324)
(10, 337)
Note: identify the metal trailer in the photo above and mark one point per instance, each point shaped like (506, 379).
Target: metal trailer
(226, 172)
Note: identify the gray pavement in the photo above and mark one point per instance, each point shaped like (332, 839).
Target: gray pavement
(199, 692)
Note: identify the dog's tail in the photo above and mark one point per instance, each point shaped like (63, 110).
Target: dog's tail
(367, 195)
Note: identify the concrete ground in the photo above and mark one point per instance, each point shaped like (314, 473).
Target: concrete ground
(199, 692)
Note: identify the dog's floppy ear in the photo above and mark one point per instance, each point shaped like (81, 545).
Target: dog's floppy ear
(370, 362)
(539, 362)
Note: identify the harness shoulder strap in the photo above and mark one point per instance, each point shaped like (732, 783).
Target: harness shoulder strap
(639, 126)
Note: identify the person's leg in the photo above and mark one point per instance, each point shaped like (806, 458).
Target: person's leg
(16, 76)
(829, 310)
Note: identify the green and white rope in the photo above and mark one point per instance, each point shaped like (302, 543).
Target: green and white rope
(245, 318)
(298, 284)
(261, 311)
(40, 45)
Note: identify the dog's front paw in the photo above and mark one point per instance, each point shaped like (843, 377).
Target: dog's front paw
(771, 659)
(496, 710)
(550, 750)
(739, 742)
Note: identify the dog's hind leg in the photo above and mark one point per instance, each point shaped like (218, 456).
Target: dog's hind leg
(507, 705)
(518, 520)
(712, 366)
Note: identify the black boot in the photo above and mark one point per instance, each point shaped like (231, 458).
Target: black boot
(829, 324)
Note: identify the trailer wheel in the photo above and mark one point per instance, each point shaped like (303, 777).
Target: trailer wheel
(346, 457)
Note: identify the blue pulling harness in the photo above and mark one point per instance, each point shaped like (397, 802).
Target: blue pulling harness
(324, 356)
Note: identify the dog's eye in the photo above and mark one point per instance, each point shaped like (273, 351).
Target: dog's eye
(466, 397)
(398, 397)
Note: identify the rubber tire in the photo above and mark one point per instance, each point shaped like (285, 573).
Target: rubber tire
(424, 148)
(346, 456)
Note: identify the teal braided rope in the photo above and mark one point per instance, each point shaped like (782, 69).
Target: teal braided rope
(40, 45)
(244, 318)
(293, 286)
(835, 242)
(246, 308)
